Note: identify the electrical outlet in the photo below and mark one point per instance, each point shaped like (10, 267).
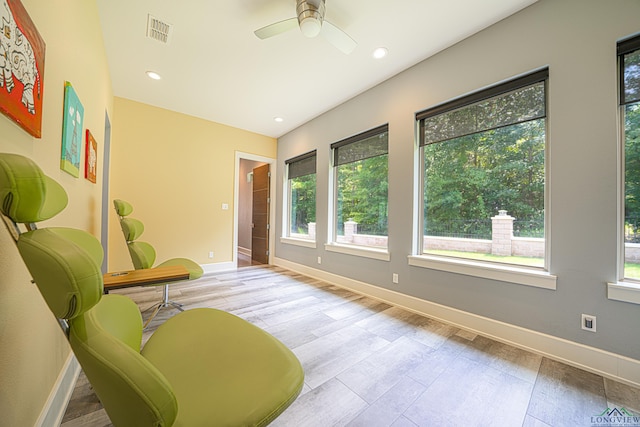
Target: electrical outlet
(395, 278)
(211, 254)
(589, 322)
(319, 260)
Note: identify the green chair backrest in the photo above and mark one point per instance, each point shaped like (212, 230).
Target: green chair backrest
(131, 228)
(104, 331)
(67, 274)
(143, 255)
(26, 194)
(122, 208)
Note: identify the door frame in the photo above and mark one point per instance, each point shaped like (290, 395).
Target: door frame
(272, 205)
(105, 208)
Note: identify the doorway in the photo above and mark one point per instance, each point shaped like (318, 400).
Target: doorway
(255, 209)
(260, 215)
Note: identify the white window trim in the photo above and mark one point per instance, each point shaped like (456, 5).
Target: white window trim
(494, 271)
(332, 245)
(286, 218)
(621, 290)
(624, 291)
(520, 275)
(361, 251)
(285, 205)
(307, 243)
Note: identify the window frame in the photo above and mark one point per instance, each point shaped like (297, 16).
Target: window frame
(332, 244)
(287, 200)
(512, 273)
(625, 47)
(624, 289)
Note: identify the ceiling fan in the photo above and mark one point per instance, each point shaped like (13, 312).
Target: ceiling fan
(311, 21)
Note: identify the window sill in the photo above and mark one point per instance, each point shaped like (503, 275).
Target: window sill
(361, 251)
(624, 291)
(298, 242)
(504, 273)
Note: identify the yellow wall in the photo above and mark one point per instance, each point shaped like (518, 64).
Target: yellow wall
(33, 349)
(176, 171)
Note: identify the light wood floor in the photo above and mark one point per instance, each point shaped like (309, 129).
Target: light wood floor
(368, 363)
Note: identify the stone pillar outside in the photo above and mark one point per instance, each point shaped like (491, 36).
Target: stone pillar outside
(501, 233)
(350, 228)
(312, 230)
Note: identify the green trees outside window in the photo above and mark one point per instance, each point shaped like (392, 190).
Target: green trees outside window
(469, 179)
(361, 199)
(629, 81)
(301, 192)
(483, 159)
(362, 195)
(303, 204)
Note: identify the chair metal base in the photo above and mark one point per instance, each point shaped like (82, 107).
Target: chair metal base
(166, 302)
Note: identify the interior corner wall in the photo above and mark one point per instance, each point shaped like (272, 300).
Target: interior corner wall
(34, 350)
(576, 39)
(177, 171)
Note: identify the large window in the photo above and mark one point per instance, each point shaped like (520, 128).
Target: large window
(361, 189)
(301, 190)
(629, 81)
(483, 166)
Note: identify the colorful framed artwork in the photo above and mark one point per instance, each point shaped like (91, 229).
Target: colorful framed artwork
(91, 158)
(71, 131)
(22, 53)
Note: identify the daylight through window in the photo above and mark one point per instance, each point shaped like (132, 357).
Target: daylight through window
(361, 188)
(629, 81)
(483, 166)
(301, 174)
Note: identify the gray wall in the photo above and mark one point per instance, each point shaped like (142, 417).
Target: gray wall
(576, 39)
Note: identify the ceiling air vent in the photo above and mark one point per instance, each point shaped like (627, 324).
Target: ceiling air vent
(158, 29)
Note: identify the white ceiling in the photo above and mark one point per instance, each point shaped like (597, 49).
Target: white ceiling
(215, 68)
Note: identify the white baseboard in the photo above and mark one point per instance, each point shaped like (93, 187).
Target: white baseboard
(607, 364)
(53, 411)
(218, 266)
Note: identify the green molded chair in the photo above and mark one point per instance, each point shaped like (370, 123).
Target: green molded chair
(202, 367)
(143, 255)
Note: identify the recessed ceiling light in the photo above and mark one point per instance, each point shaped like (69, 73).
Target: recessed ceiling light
(380, 53)
(153, 75)
(278, 119)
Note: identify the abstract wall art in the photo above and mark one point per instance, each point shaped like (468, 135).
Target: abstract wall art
(91, 158)
(22, 52)
(73, 116)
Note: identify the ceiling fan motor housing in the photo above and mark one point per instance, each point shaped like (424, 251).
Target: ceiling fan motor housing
(310, 16)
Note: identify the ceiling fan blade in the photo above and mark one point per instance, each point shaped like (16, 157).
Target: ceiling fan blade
(338, 38)
(277, 28)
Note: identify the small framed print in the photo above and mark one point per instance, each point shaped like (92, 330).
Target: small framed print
(72, 121)
(91, 158)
